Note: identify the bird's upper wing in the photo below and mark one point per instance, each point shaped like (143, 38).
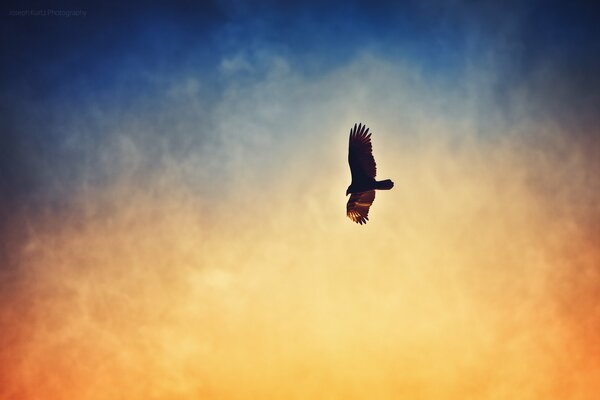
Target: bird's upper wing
(358, 206)
(360, 153)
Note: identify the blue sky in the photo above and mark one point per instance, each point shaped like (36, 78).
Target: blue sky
(54, 54)
(118, 56)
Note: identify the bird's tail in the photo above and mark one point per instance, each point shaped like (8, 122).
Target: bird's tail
(384, 185)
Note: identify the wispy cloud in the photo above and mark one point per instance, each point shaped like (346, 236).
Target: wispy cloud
(185, 235)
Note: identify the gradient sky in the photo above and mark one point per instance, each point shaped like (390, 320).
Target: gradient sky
(172, 201)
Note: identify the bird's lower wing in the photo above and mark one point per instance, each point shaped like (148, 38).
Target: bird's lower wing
(358, 205)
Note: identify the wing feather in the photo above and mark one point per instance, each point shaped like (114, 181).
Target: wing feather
(360, 154)
(358, 205)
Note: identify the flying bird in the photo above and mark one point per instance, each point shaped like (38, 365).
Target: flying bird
(363, 169)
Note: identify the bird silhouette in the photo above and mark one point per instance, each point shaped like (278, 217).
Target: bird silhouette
(363, 169)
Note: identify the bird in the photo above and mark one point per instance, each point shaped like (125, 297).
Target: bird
(363, 170)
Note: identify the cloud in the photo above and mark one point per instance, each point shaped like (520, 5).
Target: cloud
(186, 237)
(204, 247)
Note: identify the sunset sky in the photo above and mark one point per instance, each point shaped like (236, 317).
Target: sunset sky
(172, 209)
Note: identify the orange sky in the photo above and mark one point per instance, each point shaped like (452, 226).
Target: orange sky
(476, 277)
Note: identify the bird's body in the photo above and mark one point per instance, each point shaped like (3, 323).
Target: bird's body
(370, 185)
(363, 169)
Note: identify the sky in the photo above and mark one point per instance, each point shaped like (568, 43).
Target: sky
(172, 209)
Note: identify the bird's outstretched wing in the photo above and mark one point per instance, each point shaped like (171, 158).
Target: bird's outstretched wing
(360, 154)
(358, 206)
